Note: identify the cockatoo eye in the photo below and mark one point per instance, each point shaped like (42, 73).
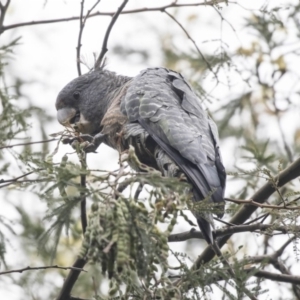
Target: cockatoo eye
(76, 94)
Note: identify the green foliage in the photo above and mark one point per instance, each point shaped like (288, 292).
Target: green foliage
(12, 119)
(123, 234)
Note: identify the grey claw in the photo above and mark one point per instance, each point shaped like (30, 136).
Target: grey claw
(86, 138)
(93, 142)
(67, 141)
(80, 138)
(90, 148)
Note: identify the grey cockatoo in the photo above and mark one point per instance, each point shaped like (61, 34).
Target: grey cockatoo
(159, 114)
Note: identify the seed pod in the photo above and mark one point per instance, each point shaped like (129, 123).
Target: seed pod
(95, 207)
(153, 268)
(113, 288)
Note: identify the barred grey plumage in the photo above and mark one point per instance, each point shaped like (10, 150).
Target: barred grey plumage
(161, 116)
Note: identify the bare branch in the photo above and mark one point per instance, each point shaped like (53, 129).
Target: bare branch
(272, 258)
(109, 28)
(3, 10)
(252, 271)
(29, 143)
(138, 191)
(261, 196)
(110, 14)
(193, 41)
(275, 277)
(266, 275)
(41, 268)
(252, 202)
(230, 271)
(13, 180)
(195, 234)
(81, 27)
(71, 279)
(277, 112)
(26, 181)
(281, 267)
(83, 193)
(286, 146)
(282, 248)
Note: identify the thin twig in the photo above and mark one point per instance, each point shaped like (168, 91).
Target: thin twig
(95, 287)
(81, 27)
(230, 270)
(194, 234)
(252, 271)
(105, 40)
(83, 215)
(282, 248)
(29, 143)
(138, 191)
(19, 177)
(257, 219)
(3, 10)
(71, 279)
(263, 274)
(7, 182)
(193, 41)
(252, 202)
(26, 181)
(110, 14)
(271, 258)
(41, 268)
(264, 216)
(275, 277)
(286, 146)
(243, 214)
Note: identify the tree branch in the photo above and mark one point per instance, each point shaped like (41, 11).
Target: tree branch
(266, 275)
(13, 180)
(83, 193)
(252, 202)
(41, 268)
(109, 28)
(80, 262)
(252, 271)
(261, 196)
(277, 264)
(29, 143)
(272, 258)
(3, 10)
(192, 40)
(71, 279)
(275, 277)
(138, 190)
(110, 14)
(81, 27)
(78, 48)
(194, 234)
(279, 252)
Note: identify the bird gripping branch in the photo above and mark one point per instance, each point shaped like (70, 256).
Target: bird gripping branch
(159, 114)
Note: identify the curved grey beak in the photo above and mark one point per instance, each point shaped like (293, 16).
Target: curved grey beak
(64, 115)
